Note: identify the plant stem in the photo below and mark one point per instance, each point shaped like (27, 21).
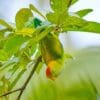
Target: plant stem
(10, 92)
(28, 79)
(26, 82)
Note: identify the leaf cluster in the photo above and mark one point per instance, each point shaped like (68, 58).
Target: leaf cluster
(19, 42)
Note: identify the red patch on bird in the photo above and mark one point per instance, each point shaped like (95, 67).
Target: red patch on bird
(48, 72)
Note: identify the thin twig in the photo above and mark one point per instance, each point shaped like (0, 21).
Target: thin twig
(10, 92)
(28, 79)
(26, 82)
(70, 1)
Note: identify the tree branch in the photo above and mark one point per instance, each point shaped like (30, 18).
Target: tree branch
(10, 92)
(26, 82)
(28, 79)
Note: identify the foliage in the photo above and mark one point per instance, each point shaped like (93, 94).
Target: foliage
(20, 47)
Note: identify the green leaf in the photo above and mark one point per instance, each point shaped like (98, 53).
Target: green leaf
(22, 16)
(32, 7)
(13, 44)
(73, 23)
(60, 11)
(25, 32)
(91, 27)
(55, 18)
(77, 24)
(59, 6)
(74, 1)
(83, 12)
(4, 23)
(3, 55)
(2, 41)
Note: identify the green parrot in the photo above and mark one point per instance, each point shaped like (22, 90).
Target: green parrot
(53, 55)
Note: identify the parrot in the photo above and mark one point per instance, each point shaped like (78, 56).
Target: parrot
(53, 55)
(52, 52)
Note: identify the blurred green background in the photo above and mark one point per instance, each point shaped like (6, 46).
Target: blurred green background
(80, 79)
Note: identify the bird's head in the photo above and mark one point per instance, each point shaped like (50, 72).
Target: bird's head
(53, 69)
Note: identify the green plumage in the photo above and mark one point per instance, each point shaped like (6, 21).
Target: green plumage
(51, 48)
